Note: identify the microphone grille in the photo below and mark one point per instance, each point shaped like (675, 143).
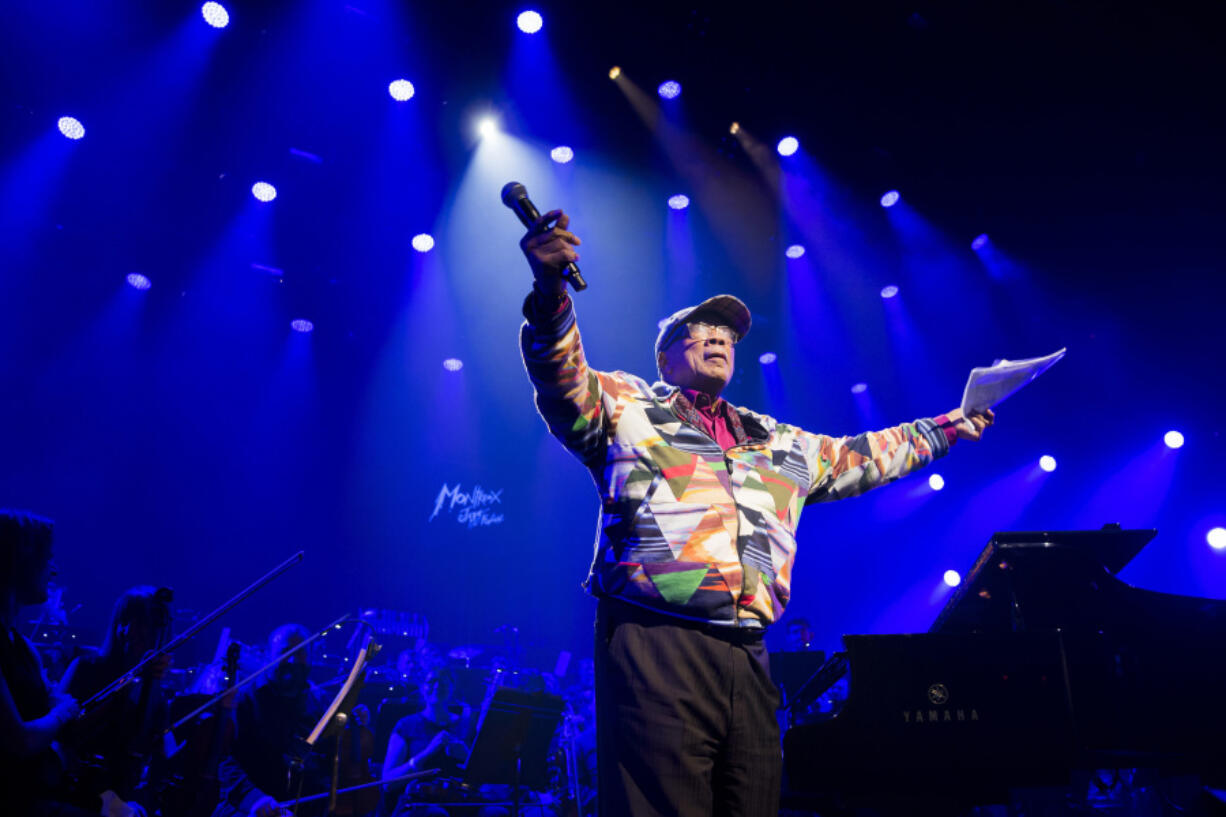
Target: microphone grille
(513, 191)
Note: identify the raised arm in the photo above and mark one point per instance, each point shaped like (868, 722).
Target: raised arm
(847, 466)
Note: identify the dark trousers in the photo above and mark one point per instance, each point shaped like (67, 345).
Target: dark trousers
(685, 718)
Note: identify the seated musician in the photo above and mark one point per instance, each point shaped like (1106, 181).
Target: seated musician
(32, 713)
(273, 717)
(438, 737)
(121, 740)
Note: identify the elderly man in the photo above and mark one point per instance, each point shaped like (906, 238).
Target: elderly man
(699, 502)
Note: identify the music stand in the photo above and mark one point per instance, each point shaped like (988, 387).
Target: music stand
(513, 739)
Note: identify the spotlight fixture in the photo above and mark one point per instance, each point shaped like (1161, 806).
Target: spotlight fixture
(936, 482)
(453, 364)
(263, 191)
(788, 145)
(487, 127)
(1047, 463)
(1217, 538)
(767, 358)
(615, 72)
(138, 281)
(859, 388)
(890, 198)
(302, 325)
(215, 14)
(423, 242)
(529, 21)
(794, 251)
(734, 128)
(1173, 439)
(669, 90)
(952, 578)
(679, 201)
(889, 291)
(562, 154)
(980, 242)
(401, 90)
(71, 127)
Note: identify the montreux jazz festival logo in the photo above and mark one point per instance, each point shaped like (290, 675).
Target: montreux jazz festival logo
(475, 508)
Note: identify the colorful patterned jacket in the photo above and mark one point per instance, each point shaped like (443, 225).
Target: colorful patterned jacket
(688, 529)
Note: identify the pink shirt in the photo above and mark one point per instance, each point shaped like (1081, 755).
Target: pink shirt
(711, 412)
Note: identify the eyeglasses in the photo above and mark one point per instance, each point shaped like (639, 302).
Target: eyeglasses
(705, 331)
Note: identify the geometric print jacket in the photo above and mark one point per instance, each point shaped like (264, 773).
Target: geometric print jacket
(688, 529)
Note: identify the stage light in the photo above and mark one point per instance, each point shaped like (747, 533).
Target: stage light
(487, 127)
(1217, 538)
(794, 251)
(561, 154)
(615, 72)
(669, 90)
(138, 281)
(980, 242)
(423, 242)
(529, 21)
(453, 364)
(679, 201)
(953, 578)
(71, 127)
(1047, 463)
(787, 146)
(891, 198)
(215, 14)
(302, 325)
(936, 482)
(263, 191)
(1173, 439)
(889, 291)
(767, 358)
(859, 388)
(401, 90)
(734, 128)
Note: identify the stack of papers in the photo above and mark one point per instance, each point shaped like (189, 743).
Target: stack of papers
(989, 385)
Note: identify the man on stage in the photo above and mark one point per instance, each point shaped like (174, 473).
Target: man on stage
(699, 502)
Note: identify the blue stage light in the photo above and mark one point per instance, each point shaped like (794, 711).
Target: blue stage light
(859, 388)
(423, 242)
(936, 482)
(1047, 463)
(1173, 439)
(890, 198)
(953, 578)
(669, 90)
(980, 242)
(788, 145)
(529, 21)
(679, 201)
(302, 325)
(215, 14)
(263, 191)
(453, 364)
(889, 291)
(487, 127)
(794, 251)
(561, 154)
(401, 90)
(1217, 538)
(71, 127)
(767, 358)
(138, 281)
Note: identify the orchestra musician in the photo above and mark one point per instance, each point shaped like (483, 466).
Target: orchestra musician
(267, 763)
(33, 714)
(438, 737)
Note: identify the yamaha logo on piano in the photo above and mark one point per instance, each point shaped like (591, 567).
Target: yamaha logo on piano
(938, 694)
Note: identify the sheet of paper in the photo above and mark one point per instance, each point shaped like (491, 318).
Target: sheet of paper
(989, 385)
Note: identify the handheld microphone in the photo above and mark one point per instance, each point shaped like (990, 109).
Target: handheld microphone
(515, 196)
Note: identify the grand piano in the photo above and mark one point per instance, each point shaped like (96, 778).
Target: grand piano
(1041, 667)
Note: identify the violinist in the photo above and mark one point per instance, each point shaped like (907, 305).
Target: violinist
(435, 738)
(119, 745)
(265, 762)
(33, 715)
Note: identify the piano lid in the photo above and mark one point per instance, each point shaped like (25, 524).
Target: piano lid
(1025, 580)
